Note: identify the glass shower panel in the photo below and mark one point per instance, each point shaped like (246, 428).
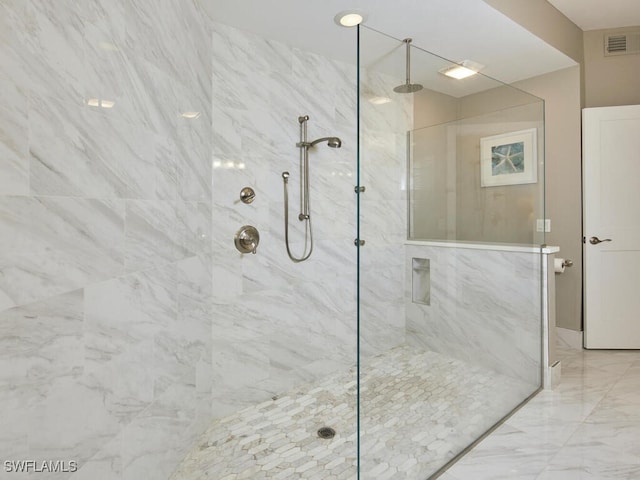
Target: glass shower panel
(478, 166)
(450, 291)
(284, 330)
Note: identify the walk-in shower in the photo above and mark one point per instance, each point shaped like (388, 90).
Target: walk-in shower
(305, 205)
(138, 338)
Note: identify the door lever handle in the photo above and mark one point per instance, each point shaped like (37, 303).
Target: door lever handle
(596, 240)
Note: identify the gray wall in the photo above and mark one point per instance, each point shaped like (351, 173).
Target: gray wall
(448, 201)
(601, 81)
(546, 22)
(612, 80)
(561, 91)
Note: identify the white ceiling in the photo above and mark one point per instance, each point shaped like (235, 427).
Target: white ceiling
(454, 29)
(600, 14)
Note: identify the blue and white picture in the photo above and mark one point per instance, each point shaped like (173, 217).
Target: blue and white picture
(509, 159)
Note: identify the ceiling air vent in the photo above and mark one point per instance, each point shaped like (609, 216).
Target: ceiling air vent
(622, 43)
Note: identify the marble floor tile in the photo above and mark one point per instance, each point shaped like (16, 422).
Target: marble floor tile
(585, 429)
(509, 454)
(418, 411)
(591, 459)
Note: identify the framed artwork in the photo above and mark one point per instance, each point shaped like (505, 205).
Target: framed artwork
(509, 159)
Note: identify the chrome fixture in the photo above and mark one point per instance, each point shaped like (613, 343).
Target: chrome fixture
(567, 263)
(247, 195)
(333, 142)
(247, 239)
(596, 240)
(408, 87)
(305, 210)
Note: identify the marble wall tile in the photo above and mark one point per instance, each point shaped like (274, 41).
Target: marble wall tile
(53, 245)
(184, 346)
(382, 214)
(42, 341)
(155, 441)
(194, 164)
(105, 231)
(106, 464)
(67, 154)
(279, 323)
(51, 412)
(71, 422)
(80, 151)
(152, 238)
(45, 52)
(14, 138)
(195, 223)
(176, 28)
(124, 213)
(485, 308)
(18, 403)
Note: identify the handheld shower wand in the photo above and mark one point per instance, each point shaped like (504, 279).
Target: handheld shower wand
(305, 206)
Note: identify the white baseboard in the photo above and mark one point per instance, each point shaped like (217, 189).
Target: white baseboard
(553, 376)
(569, 338)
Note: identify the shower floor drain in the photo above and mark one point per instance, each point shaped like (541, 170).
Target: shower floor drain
(326, 432)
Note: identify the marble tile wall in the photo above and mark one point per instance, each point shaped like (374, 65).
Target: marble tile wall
(105, 233)
(278, 324)
(485, 308)
(127, 317)
(383, 218)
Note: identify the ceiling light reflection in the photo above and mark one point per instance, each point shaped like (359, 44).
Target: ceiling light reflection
(96, 102)
(464, 69)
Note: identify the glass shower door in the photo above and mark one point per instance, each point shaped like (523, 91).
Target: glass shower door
(449, 262)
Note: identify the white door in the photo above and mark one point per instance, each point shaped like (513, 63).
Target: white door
(611, 175)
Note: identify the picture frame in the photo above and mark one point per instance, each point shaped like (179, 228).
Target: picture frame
(509, 158)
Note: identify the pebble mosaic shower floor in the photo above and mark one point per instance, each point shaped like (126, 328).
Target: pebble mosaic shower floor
(419, 410)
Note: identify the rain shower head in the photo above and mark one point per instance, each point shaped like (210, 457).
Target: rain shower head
(333, 142)
(408, 87)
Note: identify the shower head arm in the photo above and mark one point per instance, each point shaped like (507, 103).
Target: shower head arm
(332, 141)
(407, 86)
(407, 41)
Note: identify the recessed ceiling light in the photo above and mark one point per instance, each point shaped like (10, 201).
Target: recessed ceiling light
(349, 18)
(464, 69)
(458, 72)
(191, 114)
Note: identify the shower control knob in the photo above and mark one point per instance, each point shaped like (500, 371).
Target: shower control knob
(247, 195)
(247, 239)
